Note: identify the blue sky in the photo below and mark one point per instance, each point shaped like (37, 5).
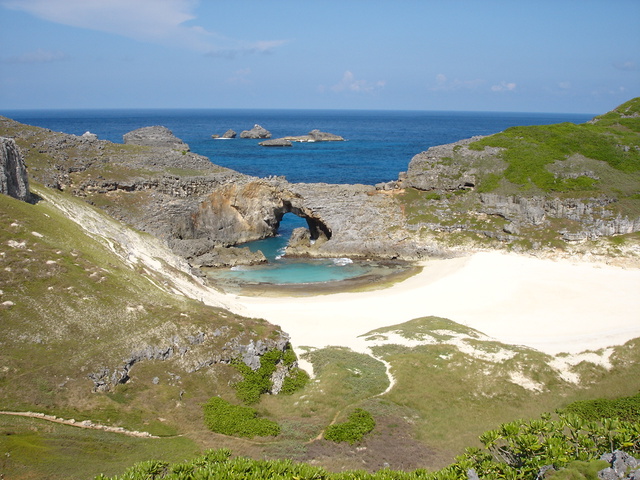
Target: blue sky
(570, 56)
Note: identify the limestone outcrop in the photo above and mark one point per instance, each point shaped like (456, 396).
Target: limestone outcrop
(13, 171)
(156, 136)
(256, 132)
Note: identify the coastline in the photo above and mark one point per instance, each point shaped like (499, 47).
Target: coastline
(554, 306)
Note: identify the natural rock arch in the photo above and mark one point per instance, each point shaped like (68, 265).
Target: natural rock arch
(317, 228)
(242, 212)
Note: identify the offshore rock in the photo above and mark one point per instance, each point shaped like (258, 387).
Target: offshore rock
(13, 171)
(156, 136)
(316, 136)
(229, 134)
(256, 132)
(276, 142)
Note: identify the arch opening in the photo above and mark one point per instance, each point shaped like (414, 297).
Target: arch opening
(316, 227)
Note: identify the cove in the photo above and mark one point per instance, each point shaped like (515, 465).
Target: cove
(281, 270)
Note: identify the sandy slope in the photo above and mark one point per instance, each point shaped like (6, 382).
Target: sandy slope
(550, 305)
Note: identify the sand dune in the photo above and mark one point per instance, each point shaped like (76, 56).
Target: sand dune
(551, 305)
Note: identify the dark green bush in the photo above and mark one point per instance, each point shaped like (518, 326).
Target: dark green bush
(236, 420)
(624, 408)
(296, 380)
(359, 423)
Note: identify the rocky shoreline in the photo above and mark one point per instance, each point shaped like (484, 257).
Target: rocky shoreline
(153, 182)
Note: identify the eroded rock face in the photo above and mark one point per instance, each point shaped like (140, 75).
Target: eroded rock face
(450, 167)
(251, 210)
(13, 171)
(156, 136)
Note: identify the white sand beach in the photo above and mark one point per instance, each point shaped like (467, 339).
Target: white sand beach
(551, 305)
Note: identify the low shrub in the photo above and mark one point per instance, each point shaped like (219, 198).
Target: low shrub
(624, 408)
(236, 420)
(359, 423)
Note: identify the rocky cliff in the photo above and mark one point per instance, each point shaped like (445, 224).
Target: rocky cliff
(13, 172)
(461, 195)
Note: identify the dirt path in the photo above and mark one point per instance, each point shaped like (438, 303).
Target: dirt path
(81, 424)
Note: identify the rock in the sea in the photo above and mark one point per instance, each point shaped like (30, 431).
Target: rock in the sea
(256, 132)
(156, 136)
(13, 171)
(316, 136)
(276, 142)
(229, 134)
(319, 136)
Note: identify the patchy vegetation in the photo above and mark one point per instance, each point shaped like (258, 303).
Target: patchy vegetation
(358, 424)
(222, 417)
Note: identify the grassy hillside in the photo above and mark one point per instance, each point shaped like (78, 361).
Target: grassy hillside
(600, 156)
(69, 308)
(76, 305)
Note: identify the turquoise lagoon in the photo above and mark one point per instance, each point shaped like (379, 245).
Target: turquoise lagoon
(281, 270)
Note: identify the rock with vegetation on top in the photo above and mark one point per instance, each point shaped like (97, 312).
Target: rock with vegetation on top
(13, 171)
(156, 136)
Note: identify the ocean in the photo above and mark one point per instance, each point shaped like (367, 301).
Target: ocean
(379, 145)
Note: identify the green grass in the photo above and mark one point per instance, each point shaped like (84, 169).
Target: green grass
(78, 308)
(31, 448)
(530, 150)
(469, 392)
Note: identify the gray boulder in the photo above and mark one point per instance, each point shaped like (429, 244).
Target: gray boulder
(623, 466)
(156, 136)
(256, 132)
(13, 171)
(91, 137)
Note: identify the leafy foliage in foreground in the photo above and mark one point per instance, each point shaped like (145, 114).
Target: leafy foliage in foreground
(236, 420)
(359, 423)
(515, 450)
(624, 408)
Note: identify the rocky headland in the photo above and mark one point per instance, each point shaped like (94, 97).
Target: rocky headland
(446, 201)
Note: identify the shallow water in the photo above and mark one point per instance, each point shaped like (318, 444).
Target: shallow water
(285, 271)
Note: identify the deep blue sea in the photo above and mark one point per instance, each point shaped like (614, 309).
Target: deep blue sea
(379, 145)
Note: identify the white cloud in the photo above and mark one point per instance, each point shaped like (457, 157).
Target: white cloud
(504, 87)
(239, 49)
(240, 77)
(37, 56)
(155, 21)
(564, 85)
(444, 84)
(629, 66)
(349, 83)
